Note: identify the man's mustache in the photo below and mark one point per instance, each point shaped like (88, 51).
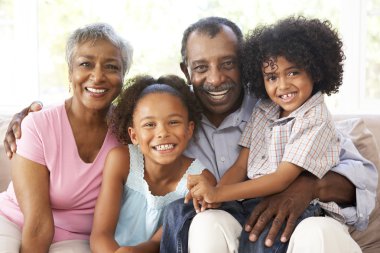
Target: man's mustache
(211, 88)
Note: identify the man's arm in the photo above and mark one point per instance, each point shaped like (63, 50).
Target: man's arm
(351, 184)
(363, 175)
(14, 130)
(288, 205)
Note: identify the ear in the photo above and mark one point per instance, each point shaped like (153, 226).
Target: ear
(185, 71)
(190, 129)
(133, 135)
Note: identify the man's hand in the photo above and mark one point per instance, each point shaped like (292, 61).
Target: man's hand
(14, 130)
(285, 207)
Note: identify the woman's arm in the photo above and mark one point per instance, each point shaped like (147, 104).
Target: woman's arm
(31, 184)
(108, 204)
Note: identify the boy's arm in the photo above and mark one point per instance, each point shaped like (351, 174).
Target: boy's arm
(262, 186)
(201, 189)
(14, 130)
(108, 204)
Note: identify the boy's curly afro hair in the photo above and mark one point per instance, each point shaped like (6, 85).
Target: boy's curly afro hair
(122, 114)
(311, 44)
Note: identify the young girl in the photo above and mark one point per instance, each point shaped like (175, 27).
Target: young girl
(139, 180)
(289, 65)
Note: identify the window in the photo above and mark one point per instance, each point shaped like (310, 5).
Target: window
(34, 33)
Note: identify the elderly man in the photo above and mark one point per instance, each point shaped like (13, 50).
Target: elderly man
(211, 63)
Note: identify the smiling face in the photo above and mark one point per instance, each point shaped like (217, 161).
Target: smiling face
(213, 70)
(286, 84)
(161, 127)
(96, 74)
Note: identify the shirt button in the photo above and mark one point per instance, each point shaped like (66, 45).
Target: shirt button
(360, 215)
(223, 159)
(263, 157)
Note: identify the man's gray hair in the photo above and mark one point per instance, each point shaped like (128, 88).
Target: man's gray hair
(99, 31)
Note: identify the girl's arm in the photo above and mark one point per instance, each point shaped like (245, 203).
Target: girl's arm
(238, 171)
(265, 185)
(31, 185)
(108, 204)
(151, 246)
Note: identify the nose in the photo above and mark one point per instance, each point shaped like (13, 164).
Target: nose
(97, 74)
(162, 131)
(282, 83)
(215, 76)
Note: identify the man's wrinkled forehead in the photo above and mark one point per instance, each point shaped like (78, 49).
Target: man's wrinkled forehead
(202, 45)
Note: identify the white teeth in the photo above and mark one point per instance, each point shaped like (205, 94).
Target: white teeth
(218, 94)
(286, 96)
(164, 147)
(96, 90)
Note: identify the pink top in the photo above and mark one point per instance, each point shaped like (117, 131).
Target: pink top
(74, 185)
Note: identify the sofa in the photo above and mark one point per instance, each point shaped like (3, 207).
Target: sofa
(364, 131)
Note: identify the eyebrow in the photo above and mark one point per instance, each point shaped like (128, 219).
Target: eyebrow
(275, 71)
(169, 116)
(92, 57)
(223, 58)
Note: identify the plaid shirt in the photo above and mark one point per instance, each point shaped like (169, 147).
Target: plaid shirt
(306, 138)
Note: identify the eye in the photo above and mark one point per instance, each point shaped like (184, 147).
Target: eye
(271, 78)
(112, 67)
(200, 68)
(230, 64)
(293, 73)
(174, 122)
(85, 64)
(149, 125)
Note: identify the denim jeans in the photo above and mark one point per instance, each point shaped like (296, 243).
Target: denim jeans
(178, 216)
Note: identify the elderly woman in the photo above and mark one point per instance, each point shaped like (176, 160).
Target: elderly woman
(57, 171)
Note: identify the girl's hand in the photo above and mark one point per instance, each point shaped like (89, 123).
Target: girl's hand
(201, 189)
(201, 205)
